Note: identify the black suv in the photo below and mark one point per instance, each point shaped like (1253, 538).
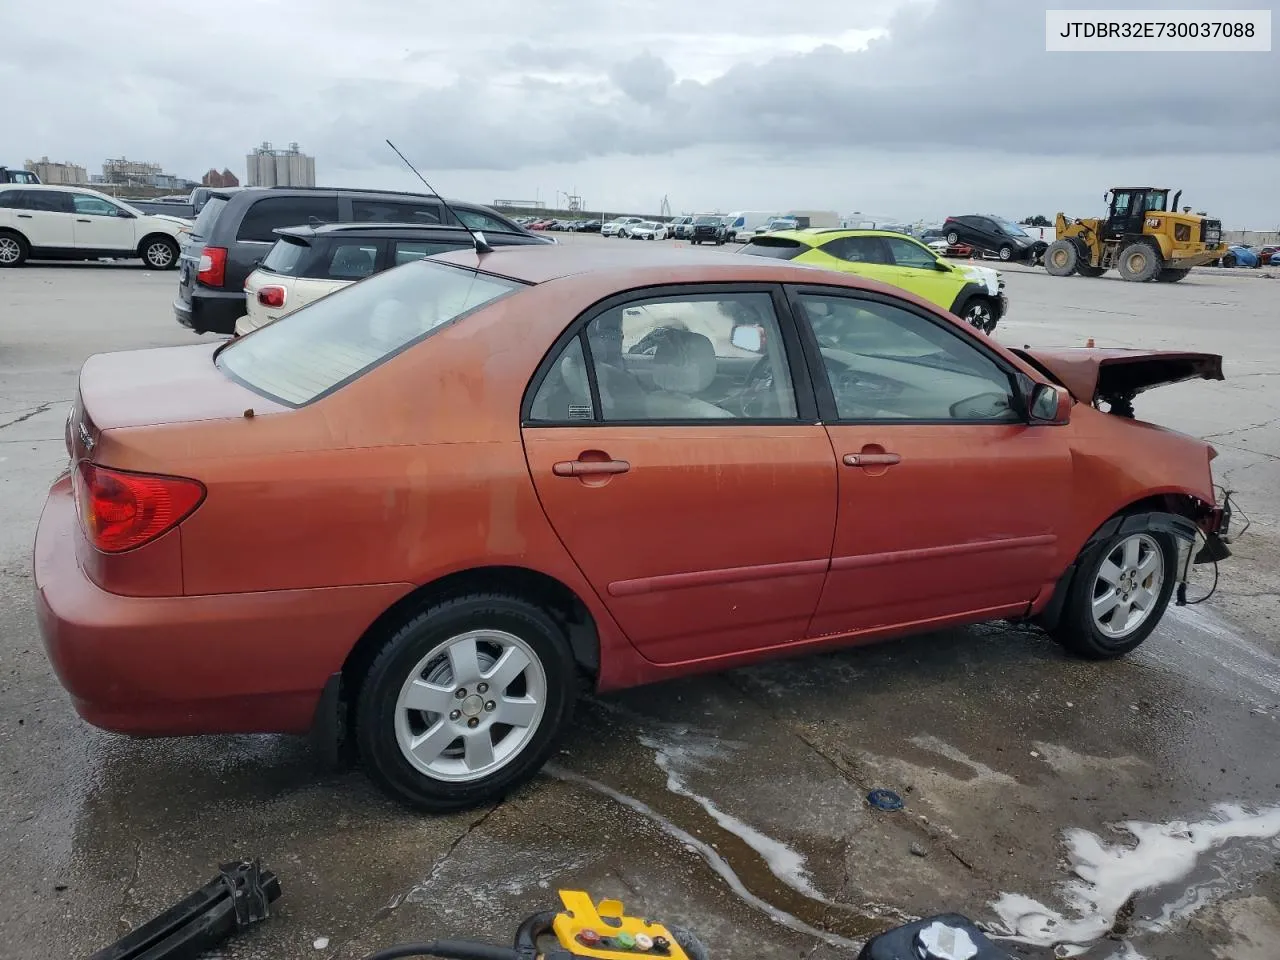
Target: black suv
(707, 229)
(236, 228)
(995, 235)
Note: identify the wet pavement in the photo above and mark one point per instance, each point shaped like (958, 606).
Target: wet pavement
(1130, 807)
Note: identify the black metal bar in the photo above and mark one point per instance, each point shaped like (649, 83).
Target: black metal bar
(238, 897)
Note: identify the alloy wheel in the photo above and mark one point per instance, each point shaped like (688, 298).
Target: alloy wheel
(1128, 585)
(159, 255)
(470, 705)
(10, 251)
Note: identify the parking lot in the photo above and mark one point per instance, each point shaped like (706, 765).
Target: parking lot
(731, 804)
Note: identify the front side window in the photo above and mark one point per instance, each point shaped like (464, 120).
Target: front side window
(337, 338)
(90, 206)
(683, 358)
(885, 363)
(908, 253)
(268, 213)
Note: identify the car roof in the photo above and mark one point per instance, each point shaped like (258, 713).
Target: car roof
(810, 235)
(628, 266)
(388, 229)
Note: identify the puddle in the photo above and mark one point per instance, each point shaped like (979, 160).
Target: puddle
(1111, 876)
(860, 927)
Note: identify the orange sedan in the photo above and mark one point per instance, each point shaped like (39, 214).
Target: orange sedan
(427, 510)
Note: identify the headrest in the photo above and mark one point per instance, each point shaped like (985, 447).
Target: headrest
(684, 362)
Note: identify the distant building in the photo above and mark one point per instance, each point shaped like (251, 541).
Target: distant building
(224, 179)
(50, 172)
(132, 172)
(268, 167)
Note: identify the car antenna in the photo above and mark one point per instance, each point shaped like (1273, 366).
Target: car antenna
(482, 245)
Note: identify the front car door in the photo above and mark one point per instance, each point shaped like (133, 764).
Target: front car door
(949, 501)
(921, 271)
(103, 225)
(687, 475)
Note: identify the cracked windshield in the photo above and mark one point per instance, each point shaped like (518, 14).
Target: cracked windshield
(736, 480)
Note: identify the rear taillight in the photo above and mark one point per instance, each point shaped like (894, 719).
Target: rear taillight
(213, 266)
(120, 511)
(271, 296)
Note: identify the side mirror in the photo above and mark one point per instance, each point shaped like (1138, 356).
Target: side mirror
(747, 337)
(1050, 404)
(941, 265)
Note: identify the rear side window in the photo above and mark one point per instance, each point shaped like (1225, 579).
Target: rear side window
(352, 261)
(394, 211)
(407, 251)
(774, 247)
(285, 258)
(9, 199)
(262, 218)
(208, 214)
(50, 201)
(336, 339)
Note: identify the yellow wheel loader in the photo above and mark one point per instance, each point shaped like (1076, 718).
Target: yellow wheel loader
(1143, 236)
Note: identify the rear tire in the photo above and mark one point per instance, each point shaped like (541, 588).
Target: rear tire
(13, 249)
(451, 749)
(1103, 617)
(1170, 275)
(1061, 259)
(1139, 263)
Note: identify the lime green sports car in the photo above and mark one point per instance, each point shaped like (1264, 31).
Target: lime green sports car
(973, 293)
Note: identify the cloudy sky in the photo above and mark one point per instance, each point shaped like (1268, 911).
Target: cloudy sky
(896, 108)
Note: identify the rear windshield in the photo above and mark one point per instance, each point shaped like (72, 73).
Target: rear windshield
(208, 214)
(334, 340)
(285, 257)
(774, 247)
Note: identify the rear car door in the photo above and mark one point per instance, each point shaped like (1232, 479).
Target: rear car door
(687, 475)
(950, 502)
(46, 218)
(868, 255)
(388, 210)
(102, 225)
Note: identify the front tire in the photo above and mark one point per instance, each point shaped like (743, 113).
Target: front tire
(1139, 263)
(1006, 253)
(1120, 591)
(1170, 275)
(981, 314)
(953, 238)
(160, 253)
(1061, 259)
(465, 701)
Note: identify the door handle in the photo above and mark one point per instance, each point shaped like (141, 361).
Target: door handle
(589, 468)
(83, 220)
(871, 459)
(24, 216)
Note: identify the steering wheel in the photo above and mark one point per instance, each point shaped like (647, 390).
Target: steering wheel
(757, 389)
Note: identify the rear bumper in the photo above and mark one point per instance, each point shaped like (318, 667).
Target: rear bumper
(166, 666)
(210, 311)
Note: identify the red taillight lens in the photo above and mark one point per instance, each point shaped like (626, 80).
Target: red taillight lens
(120, 511)
(213, 266)
(271, 296)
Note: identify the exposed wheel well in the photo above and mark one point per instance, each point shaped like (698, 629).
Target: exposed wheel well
(562, 603)
(142, 244)
(15, 233)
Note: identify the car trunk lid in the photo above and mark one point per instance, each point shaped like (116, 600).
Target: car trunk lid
(1112, 373)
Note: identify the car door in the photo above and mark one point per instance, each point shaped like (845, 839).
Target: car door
(687, 474)
(103, 225)
(923, 272)
(950, 503)
(46, 218)
(867, 256)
